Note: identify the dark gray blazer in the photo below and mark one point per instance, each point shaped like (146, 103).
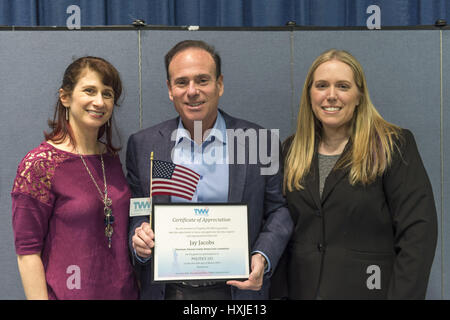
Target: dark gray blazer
(270, 224)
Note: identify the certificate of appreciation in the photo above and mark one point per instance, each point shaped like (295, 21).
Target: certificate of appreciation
(201, 241)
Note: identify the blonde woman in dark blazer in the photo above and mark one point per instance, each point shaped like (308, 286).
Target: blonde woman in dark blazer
(359, 195)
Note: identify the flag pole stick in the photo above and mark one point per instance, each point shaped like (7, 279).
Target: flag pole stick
(151, 178)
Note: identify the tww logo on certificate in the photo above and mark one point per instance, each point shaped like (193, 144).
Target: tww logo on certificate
(202, 241)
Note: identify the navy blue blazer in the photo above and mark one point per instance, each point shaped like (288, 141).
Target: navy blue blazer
(270, 224)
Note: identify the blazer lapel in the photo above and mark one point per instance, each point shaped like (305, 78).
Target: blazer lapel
(312, 182)
(331, 181)
(236, 172)
(166, 149)
(236, 182)
(164, 152)
(335, 175)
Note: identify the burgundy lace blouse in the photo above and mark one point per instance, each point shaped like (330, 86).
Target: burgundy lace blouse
(57, 211)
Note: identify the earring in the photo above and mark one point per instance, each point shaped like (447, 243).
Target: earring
(108, 123)
(67, 114)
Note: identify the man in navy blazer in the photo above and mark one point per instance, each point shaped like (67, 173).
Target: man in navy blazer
(195, 85)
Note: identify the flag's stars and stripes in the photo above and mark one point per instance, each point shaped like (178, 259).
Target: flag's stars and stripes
(171, 179)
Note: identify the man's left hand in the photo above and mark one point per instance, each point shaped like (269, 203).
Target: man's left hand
(255, 279)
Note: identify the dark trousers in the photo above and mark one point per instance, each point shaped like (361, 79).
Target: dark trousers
(218, 291)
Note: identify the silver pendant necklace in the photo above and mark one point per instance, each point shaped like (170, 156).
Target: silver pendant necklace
(109, 218)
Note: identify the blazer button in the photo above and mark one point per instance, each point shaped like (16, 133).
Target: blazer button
(321, 247)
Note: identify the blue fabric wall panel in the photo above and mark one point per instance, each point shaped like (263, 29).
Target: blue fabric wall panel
(93, 12)
(153, 12)
(402, 70)
(328, 13)
(201, 12)
(188, 12)
(354, 13)
(401, 12)
(302, 13)
(224, 12)
(54, 13)
(268, 13)
(445, 227)
(231, 13)
(209, 13)
(18, 13)
(430, 11)
(255, 66)
(156, 104)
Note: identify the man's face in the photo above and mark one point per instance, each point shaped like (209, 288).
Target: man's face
(194, 88)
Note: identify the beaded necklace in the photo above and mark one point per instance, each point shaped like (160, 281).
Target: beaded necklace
(109, 218)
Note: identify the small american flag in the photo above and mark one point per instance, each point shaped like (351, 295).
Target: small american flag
(172, 179)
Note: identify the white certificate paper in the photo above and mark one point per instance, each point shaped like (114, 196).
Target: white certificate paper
(200, 242)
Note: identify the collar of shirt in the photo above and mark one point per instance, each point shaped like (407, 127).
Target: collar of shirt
(209, 160)
(217, 133)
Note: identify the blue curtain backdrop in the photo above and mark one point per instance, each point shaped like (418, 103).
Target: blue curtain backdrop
(223, 13)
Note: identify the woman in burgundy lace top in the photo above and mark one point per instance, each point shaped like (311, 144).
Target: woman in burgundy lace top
(70, 198)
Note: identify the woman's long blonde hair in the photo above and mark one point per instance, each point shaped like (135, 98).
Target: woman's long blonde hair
(372, 137)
